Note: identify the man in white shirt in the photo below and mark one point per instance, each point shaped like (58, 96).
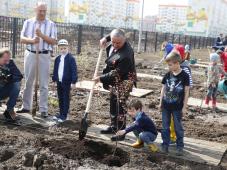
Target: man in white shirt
(42, 31)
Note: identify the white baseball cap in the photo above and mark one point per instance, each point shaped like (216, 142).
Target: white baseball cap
(214, 57)
(63, 42)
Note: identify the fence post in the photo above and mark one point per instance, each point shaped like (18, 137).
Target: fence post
(206, 42)
(79, 40)
(190, 41)
(102, 32)
(15, 21)
(173, 39)
(194, 42)
(166, 36)
(156, 41)
(199, 43)
(204, 38)
(145, 43)
(134, 38)
(212, 42)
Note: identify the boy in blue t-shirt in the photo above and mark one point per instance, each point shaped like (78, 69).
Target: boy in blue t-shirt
(173, 101)
(143, 127)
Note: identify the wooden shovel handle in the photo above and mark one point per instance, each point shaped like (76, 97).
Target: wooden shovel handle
(93, 85)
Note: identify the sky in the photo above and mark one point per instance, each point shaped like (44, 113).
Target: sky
(151, 6)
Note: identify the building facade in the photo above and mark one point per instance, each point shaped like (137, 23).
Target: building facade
(171, 18)
(107, 13)
(207, 18)
(198, 18)
(132, 14)
(149, 23)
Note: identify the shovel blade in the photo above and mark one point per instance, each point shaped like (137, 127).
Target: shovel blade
(83, 129)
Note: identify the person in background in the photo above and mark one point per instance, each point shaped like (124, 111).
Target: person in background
(65, 75)
(224, 59)
(173, 101)
(10, 82)
(224, 41)
(167, 47)
(187, 52)
(219, 40)
(143, 127)
(213, 74)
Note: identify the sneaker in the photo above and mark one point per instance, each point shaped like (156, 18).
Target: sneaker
(118, 138)
(44, 114)
(109, 130)
(180, 152)
(55, 118)
(23, 111)
(164, 149)
(60, 120)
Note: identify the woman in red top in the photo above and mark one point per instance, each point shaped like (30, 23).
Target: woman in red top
(224, 59)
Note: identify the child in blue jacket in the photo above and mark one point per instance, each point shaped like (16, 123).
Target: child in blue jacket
(143, 127)
(65, 75)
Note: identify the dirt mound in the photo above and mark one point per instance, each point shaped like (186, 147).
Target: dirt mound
(78, 150)
(6, 155)
(70, 124)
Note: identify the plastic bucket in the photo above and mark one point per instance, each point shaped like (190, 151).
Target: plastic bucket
(222, 86)
(193, 61)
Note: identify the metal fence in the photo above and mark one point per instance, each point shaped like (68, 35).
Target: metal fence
(82, 37)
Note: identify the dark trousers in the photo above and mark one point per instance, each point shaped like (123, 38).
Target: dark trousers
(117, 112)
(12, 91)
(63, 98)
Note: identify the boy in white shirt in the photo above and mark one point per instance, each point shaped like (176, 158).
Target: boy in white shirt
(65, 75)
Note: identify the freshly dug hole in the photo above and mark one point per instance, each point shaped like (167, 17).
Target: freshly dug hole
(78, 150)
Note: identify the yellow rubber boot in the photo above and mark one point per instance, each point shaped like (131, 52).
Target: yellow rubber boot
(173, 137)
(138, 144)
(153, 148)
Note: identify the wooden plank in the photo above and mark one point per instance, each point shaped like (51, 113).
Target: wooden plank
(197, 102)
(88, 85)
(195, 150)
(199, 65)
(205, 63)
(142, 75)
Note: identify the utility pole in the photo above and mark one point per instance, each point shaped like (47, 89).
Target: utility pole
(140, 29)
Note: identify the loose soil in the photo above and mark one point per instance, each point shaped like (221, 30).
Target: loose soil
(56, 147)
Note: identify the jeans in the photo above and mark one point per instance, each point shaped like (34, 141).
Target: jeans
(166, 118)
(63, 98)
(12, 91)
(146, 137)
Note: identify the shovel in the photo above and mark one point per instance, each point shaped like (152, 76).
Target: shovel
(84, 124)
(35, 103)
